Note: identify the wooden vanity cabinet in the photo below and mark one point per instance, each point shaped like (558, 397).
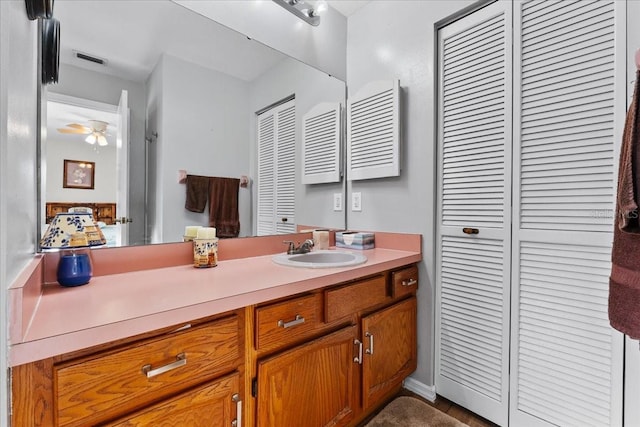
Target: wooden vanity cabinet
(389, 338)
(354, 358)
(309, 385)
(328, 357)
(187, 372)
(215, 404)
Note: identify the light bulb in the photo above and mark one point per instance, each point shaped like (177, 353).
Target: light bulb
(102, 141)
(91, 139)
(321, 7)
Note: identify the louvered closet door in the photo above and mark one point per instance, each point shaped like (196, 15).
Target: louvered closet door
(266, 174)
(276, 170)
(285, 158)
(472, 274)
(566, 359)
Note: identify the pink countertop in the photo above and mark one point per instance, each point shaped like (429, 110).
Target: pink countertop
(117, 306)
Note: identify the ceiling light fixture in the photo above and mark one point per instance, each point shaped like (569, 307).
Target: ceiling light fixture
(302, 10)
(98, 129)
(96, 136)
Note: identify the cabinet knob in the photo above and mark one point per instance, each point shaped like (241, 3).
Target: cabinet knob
(469, 230)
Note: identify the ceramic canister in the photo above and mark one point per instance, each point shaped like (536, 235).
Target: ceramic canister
(205, 252)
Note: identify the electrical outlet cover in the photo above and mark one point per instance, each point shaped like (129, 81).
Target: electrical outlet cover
(337, 202)
(356, 202)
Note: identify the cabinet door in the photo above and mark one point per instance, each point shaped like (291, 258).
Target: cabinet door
(216, 404)
(389, 338)
(309, 385)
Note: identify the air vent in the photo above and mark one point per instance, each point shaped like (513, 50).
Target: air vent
(89, 58)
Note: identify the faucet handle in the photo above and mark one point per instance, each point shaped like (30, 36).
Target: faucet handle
(291, 248)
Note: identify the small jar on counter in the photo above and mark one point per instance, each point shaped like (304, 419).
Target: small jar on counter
(205, 252)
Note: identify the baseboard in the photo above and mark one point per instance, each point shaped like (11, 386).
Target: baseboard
(423, 390)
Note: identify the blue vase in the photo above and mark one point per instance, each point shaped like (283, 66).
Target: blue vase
(74, 269)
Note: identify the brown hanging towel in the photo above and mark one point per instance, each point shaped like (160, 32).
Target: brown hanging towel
(624, 282)
(197, 193)
(223, 206)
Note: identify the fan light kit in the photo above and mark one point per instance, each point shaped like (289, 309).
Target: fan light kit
(95, 132)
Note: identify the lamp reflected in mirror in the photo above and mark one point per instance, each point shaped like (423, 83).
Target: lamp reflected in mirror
(73, 234)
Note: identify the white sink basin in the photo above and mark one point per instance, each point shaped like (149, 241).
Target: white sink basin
(320, 259)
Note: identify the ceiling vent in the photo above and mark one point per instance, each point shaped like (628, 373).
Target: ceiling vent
(89, 58)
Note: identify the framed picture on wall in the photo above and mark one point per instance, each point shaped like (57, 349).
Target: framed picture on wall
(79, 174)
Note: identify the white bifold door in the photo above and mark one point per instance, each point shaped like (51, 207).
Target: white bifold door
(276, 169)
(531, 104)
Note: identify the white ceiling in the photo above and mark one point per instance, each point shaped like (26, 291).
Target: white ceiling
(132, 35)
(347, 7)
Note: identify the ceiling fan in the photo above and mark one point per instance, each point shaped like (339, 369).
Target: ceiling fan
(96, 131)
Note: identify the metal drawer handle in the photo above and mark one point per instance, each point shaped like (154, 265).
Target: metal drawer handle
(297, 321)
(409, 282)
(358, 358)
(469, 230)
(370, 349)
(181, 360)
(238, 421)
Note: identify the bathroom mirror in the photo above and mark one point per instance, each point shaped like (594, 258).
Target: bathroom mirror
(193, 90)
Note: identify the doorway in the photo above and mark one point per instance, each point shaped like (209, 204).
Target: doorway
(82, 130)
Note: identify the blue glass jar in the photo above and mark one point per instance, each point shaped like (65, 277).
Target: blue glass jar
(74, 268)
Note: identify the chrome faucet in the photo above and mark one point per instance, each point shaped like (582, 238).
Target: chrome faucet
(305, 247)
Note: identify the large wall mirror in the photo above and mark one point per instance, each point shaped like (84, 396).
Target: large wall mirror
(148, 89)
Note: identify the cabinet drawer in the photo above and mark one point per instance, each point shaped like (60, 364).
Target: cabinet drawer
(97, 387)
(286, 322)
(404, 281)
(347, 300)
(215, 404)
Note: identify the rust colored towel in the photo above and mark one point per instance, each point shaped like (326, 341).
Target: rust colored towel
(223, 206)
(624, 283)
(197, 193)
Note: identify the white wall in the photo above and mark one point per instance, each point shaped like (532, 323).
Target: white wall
(314, 203)
(18, 134)
(82, 83)
(203, 129)
(154, 112)
(105, 170)
(403, 47)
(322, 47)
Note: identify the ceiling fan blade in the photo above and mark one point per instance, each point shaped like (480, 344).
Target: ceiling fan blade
(74, 131)
(77, 126)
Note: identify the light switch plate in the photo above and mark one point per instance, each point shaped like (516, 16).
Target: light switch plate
(337, 202)
(356, 202)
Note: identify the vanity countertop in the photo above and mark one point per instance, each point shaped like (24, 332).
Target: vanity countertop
(117, 306)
